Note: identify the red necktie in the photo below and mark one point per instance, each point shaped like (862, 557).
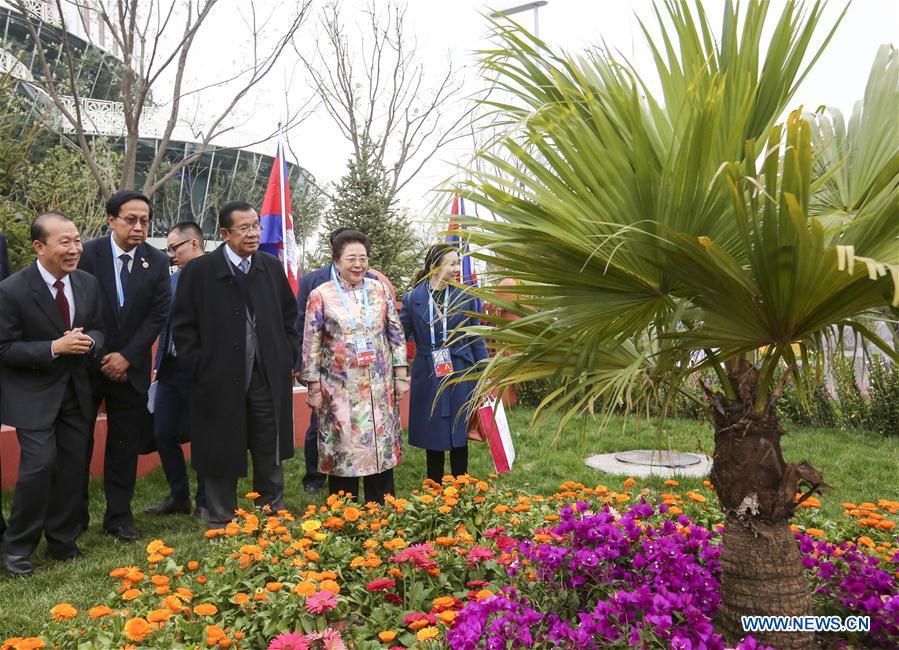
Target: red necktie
(62, 304)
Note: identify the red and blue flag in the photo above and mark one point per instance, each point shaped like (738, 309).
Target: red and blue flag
(277, 222)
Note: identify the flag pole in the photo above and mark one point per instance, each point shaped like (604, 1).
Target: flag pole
(282, 192)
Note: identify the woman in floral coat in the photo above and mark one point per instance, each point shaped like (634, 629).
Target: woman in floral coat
(354, 363)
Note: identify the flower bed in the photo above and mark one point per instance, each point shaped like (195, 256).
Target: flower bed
(468, 565)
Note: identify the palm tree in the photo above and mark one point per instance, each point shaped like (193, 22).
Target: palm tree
(659, 236)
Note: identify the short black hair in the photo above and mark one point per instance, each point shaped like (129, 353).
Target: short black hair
(120, 198)
(225, 218)
(334, 234)
(188, 228)
(38, 232)
(350, 237)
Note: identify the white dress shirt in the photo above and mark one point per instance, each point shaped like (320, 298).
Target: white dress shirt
(67, 289)
(117, 264)
(237, 259)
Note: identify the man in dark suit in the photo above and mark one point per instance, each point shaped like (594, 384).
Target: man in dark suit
(4, 273)
(134, 281)
(50, 329)
(234, 332)
(314, 481)
(171, 412)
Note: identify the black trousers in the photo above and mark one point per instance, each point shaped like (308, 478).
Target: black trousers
(170, 419)
(126, 419)
(313, 478)
(377, 486)
(48, 491)
(436, 462)
(268, 476)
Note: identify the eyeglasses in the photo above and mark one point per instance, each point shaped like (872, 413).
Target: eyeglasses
(132, 221)
(171, 249)
(243, 230)
(354, 260)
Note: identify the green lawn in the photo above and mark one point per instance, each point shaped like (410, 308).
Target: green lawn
(858, 464)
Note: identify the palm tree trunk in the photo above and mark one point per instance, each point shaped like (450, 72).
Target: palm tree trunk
(762, 571)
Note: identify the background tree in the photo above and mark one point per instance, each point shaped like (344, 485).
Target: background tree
(376, 91)
(674, 235)
(155, 41)
(363, 201)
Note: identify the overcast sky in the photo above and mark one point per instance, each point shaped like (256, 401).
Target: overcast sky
(456, 28)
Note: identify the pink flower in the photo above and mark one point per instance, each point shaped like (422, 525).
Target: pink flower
(289, 641)
(381, 584)
(321, 602)
(478, 554)
(329, 639)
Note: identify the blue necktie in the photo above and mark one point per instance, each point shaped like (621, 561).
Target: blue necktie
(124, 275)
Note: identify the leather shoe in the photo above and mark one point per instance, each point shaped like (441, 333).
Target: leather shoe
(64, 555)
(201, 513)
(123, 533)
(169, 507)
(18, 565)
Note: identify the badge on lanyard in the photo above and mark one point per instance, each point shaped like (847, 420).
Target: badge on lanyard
(443, 364)
(365, 350)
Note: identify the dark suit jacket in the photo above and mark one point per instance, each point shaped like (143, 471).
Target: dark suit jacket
(165, 336)
(210, 328)
(32, 381)
(132, 330)
(4, 258)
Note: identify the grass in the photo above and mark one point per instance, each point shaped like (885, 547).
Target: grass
(859, 465)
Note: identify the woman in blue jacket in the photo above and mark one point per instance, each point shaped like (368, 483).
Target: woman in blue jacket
(431, 313)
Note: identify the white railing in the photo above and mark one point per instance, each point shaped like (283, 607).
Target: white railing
(42, 10)
(98, 116)
(9, 64)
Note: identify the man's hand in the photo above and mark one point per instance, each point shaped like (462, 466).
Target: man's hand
(74, 341)
(115, 367)
(314, 400)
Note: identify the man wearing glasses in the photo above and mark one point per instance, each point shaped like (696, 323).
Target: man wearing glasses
(134, 280)
(233, 332)
(171, 412)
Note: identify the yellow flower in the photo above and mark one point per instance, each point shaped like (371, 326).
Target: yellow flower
(311, 524)
(137, 629)
(329, 585)
(63, 612)
(427, 633)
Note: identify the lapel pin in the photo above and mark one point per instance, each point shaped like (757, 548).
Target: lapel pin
(145, 265)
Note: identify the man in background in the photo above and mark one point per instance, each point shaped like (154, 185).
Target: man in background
(171, 413)
(4, 273)
(50, 331)
(134, 280)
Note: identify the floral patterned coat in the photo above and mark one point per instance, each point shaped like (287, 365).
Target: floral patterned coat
(359, 431)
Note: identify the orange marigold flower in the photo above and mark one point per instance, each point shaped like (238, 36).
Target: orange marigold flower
(134, 575)
(99, 611)
(387, 636)
(887, 524)
(193, 565)
(206, 609)
(329, 585)
(418, 624)
(814, 532)
(137, 629)
(155, 545)
(707, 483)
(131, 594)
(159, 615)
(447, 617)
(698, 498)
(159, 580)
(274, 586)
(866, 541)
(443, 602)
(252, 495)
(213, 634)
(119, 572)
(629, 482)
(427, 633)
(28, 643)
(173, 603)
(185, 593)
(63, 612)
(351, 514)
(672, 483)
(304, 588)
(482, 594)
(240, 598)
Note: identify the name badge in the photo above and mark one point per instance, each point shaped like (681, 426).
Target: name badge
(365, 350)
(443, 364)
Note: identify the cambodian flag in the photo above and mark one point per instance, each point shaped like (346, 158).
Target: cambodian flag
(276, 220)
(469, 275)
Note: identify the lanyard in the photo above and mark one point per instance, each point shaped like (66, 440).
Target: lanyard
(346, 304)
(431, 314)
